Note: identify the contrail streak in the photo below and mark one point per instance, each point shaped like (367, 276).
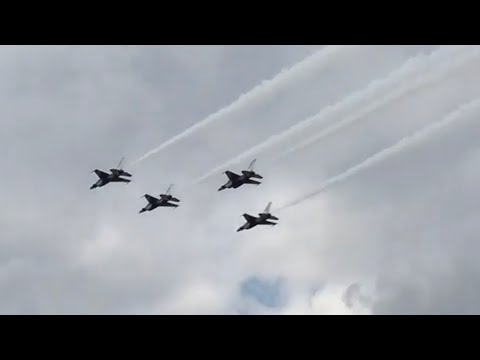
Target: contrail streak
(282, 80)
(395, 94)
(386, 153)
(414, 66)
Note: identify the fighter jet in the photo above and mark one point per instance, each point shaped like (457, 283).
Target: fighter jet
(164, 199)
(263, 218)
(235, 180)
(114, 176)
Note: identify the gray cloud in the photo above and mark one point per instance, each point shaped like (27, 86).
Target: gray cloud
(405, 229)
(265, 292)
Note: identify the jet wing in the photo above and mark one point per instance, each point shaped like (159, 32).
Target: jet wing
(249, 218)
(165, 203)
(101, 174)
(266, 222)
(231, 175)
(151, 199)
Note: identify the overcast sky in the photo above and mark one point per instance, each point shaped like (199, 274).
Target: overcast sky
(400, 237)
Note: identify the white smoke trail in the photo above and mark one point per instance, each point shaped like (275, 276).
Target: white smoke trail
(413, 67)
(418, 137)
(282, 80)
(396, 93)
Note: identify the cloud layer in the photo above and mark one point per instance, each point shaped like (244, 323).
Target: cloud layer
(399, 237)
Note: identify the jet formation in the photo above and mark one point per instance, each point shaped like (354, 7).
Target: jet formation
(167, 200)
